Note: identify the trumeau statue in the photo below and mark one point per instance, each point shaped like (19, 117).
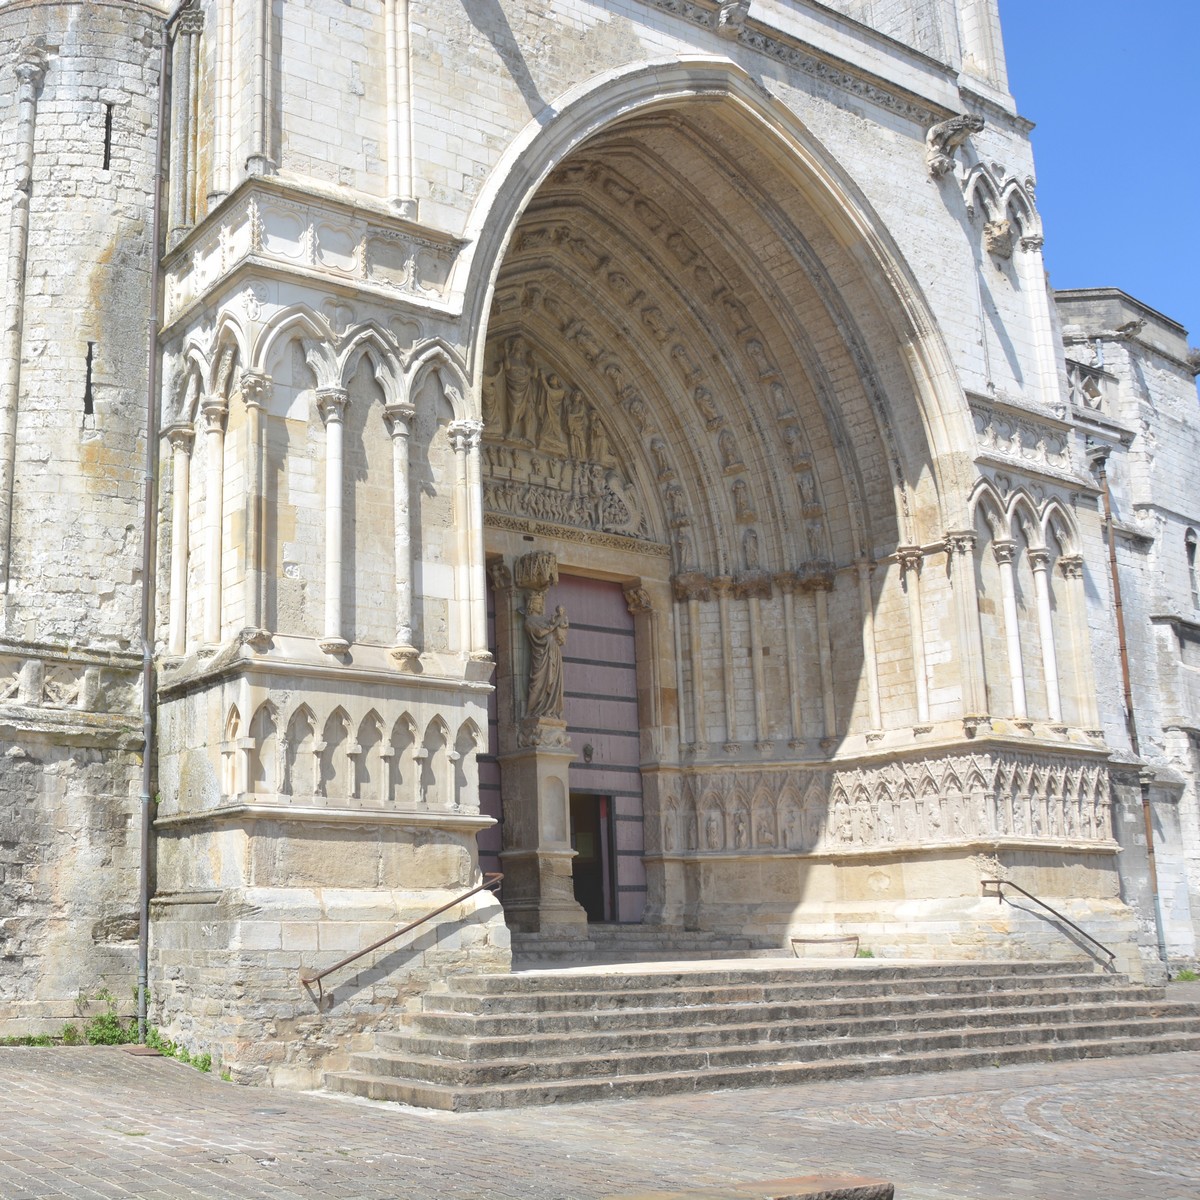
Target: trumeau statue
(547, 636)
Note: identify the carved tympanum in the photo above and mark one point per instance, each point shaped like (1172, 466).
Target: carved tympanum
(547, 455)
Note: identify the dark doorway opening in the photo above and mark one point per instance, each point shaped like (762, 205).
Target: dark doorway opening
(593, 870)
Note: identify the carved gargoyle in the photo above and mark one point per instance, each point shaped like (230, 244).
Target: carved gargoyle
(731, 17)
(944, 139)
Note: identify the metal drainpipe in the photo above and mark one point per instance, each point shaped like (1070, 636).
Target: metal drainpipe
(149, 526)
(1101, 463)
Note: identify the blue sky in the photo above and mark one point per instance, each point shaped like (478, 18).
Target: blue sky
(1114, 88)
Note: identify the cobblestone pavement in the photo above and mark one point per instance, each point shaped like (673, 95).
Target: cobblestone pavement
(103, 1123)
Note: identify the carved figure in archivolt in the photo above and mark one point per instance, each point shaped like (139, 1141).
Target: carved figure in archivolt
(547, 636)
(522, 386)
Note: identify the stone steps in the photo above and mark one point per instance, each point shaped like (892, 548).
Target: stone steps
(770, 1031)
(544, 1037)
(622, 1020)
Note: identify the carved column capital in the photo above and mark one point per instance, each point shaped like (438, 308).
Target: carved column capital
(180, 437)
(1039, 559)
(1071, 565)
(1005, 550)
(213, 410)
(753, 583)
(1032, 241)
(960, 542)
(637, 599)
(787, 582)
(331, 404)
(399, 418)
(723, 586)
(817, 577)
(692, 585)
(910, 558)
(465, 435)
(256, 389)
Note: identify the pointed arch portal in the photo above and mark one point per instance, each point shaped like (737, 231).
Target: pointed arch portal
(690, 388)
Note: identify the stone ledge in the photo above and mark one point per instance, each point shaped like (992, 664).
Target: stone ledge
(234, 813)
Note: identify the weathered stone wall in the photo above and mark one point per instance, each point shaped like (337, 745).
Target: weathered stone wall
(1133, 394)
(70, 699)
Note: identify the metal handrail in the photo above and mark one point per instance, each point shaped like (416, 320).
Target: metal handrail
(491, 879)
(1001, 884)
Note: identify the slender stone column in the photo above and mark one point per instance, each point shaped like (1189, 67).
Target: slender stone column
(756, 588)
(693, 587)
(399, 418)
(260, 161)
(722, 585)
(256, 391)
(464, 436)
(331, 404)
(180, 438)
(213, 410)
(1005, 551)
(911, 559)
(181, 112)
(223, 95)
(1071, 567)
(398, 69)
(960, 551)
(1039, 560)
(786, 582)
(30, 71)
(870, 660)
(821, 584)
(479, 645)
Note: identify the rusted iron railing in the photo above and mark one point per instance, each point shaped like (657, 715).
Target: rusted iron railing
(1001, 884)
(491, 880)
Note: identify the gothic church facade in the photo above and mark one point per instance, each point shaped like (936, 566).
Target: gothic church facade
(628, 445)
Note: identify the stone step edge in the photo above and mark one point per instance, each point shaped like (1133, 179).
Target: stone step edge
(568, 980)
(446, 1097)
(1096, 1032)
(490, 1003)
(678, 1003)
(845, 1007)
(723, 1035)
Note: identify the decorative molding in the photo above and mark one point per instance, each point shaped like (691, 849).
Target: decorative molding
(1021, 438)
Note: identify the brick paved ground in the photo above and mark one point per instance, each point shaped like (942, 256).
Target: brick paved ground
(101, 1123)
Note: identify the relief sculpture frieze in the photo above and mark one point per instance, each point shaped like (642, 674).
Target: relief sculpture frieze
(547, 454)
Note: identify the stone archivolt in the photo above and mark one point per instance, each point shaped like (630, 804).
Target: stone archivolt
(984, 796)
(579, 242)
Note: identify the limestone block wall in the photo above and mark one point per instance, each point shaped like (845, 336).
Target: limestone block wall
(78, 110)
(1133, 393)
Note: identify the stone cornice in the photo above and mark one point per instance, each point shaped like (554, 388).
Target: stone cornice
(252, 811)
(854, 81)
